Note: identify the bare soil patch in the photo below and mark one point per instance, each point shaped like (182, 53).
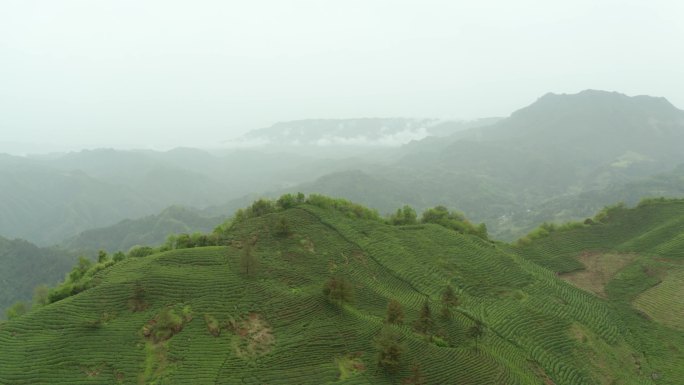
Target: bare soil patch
(599, 269)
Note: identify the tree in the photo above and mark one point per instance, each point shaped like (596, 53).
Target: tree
(102, 256)
(404, 216)
(286, 201)
(40, 295)
(282, 227)
(395, 312)
(16, 310)
(137, 301)
(449, 300)
(424, 324)
(476, 331)
(119, 256)
(389, 349)
(339, 290)
(248, 259)
(416, 377)
(80, 269)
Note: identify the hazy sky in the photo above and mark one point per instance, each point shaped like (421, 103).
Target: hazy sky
(169, 73)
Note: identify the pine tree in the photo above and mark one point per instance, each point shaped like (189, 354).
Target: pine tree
(449, 300)
(395, 312)
(424, 324)
(389, 349)
(248, 260)
(339, 290)
(476, 331)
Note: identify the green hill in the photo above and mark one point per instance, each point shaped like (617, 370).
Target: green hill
(253, 310)
(633, 258)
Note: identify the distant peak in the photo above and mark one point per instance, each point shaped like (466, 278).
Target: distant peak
(591, 99)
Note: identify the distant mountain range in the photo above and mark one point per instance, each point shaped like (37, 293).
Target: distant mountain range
(561, 158)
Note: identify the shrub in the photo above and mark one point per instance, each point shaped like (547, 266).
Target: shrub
(456, 221)
(404, 216)
(140, 251)
(339, 290)
(213, 325)
(449, 300)
(17, 310)
(389, 349)
(395, 312)
(424, 324)
(118, 256)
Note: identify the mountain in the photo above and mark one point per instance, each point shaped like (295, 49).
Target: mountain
(511, 174)
(299, 295)
(341, 138)
(149, 230)
(46, 199)
(23, 266)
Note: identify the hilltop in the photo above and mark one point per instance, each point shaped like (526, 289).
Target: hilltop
(297, 291)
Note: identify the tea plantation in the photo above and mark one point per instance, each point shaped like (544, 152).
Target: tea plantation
(253, 310)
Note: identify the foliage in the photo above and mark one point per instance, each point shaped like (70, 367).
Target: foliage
(416, 377)
(119, 256)
(449, 300)
(40, 295)
(17, 310)
(476, 331)
(249, 262)
(350, 365)
(339, 290)
(102, 256)
(453, 220)
(187, 241)
(213, 325)
(609, 211)
(389, 349)
(282, 227)
(395, 312)
(138, 302)
(288, 201)
(140, 251)
(404, 216)
(546, 229)
(424, 324)
(344, 206)
(166, 324)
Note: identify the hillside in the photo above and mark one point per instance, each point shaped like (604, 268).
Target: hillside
(253, 310)
(634, 257)
(149, 230)
(540, 164)
(47, 199)
(23, 266)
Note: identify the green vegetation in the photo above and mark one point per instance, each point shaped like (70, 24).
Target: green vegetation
(24, 266)
(395, 312)
(511, 321)
(389, 349)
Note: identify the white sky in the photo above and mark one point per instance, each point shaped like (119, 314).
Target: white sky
(159, 74)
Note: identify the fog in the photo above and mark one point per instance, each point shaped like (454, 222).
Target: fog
(161, 74)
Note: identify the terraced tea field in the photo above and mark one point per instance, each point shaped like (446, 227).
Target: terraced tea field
(196, 316)
(665, 301)
(599, 269)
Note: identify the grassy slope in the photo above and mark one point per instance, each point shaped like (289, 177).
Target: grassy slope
(538, 329)
(649, 285)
